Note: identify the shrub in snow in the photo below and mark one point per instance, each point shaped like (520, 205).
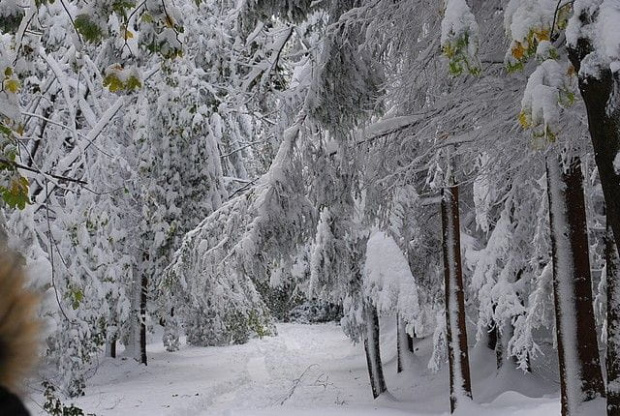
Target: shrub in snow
(314, 311)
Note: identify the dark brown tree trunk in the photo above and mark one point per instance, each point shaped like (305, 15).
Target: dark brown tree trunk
(458, 357)
(603, 123)
(613, 326)
(580, 370)
(373, 351)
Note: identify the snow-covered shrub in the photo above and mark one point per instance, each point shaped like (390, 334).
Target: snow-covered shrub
(314, 311)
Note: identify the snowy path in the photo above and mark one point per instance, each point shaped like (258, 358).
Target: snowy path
(306, 370)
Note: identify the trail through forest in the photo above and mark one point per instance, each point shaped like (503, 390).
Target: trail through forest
(305, 370)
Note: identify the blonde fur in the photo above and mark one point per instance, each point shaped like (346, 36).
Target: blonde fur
(18, 325)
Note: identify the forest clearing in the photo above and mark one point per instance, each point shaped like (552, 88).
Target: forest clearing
(306, 370)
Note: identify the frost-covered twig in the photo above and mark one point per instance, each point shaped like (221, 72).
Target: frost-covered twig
(28, 168)
(296, 384)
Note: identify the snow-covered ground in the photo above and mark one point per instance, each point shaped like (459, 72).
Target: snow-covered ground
(306, 370)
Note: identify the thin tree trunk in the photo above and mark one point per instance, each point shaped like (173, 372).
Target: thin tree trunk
(613, 326)
(494, 341)
(503, 358)
(132, 343)
(460, 382)
(113, 347)
(580, 371)
(402, 343)
(500, 351)
(373, 351)
(492, 336)
(143, 297)
(110, 346)
(171, 332)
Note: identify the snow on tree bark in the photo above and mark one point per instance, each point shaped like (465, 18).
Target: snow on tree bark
(604, 126)
(402, 343)
(373, 350)
(580, 371)
(613, 325)
(458, 357)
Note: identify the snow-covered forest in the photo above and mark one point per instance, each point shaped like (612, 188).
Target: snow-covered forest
(440, 180)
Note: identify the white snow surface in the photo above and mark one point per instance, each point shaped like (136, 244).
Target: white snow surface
(306, 370)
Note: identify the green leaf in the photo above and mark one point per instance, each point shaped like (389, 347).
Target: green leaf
(5, 130)
(121, 6)
(77, 296)
(133, 83)
(513, 67)
(113, 83)
(88, 29)
(16, 195)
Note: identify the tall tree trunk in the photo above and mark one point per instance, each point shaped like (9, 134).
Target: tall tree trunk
(580, 371)
(613, 326)
(460, 382)
(373, 350)
(603, 122)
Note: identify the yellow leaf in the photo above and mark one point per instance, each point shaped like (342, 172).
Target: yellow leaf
(19, 185)
(11, 85)
(541, 34)
(518, 51)
(524, 120)
(448, 50)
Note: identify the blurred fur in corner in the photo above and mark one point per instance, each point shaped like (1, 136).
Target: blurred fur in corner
(19, 328)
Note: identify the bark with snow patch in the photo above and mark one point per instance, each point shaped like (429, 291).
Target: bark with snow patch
(373, 350)
(613, 325)
(460, 382)
(580, 371)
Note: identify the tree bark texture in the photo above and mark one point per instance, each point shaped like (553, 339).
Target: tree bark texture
(603, 123)
(580, 371)
(373, 351)
(613, 325)
(458, 357)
